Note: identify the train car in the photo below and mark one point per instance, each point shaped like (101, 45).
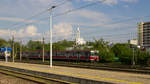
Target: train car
(77, 55)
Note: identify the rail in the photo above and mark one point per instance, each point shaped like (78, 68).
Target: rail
(33, 78)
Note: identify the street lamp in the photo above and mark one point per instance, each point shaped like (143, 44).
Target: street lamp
(138, 46)
(133, 62)
(43, 47)
(51, 26)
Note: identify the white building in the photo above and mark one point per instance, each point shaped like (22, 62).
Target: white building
(79, 40)
(133, 42)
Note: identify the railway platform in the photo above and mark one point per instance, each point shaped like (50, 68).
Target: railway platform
(78, 74)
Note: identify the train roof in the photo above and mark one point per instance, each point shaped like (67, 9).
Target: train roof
(65, 51)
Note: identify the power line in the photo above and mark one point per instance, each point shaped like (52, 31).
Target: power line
(38, 14)
(81, 7)
(88, 6)
(91, 4)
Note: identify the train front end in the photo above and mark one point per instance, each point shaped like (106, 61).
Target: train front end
(94, 56)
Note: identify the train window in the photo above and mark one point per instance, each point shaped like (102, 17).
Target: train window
(76, 53)
(26, 53)
(87, 54)
(35, 54)
(46, 53)
(70, 53)
(58, 53)
(54, 53)
(94, 53)
(82, 53)
(62, 54)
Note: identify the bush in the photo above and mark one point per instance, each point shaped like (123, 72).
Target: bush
(107, 56)
(123, 52)
(148, 62)
(143, 57)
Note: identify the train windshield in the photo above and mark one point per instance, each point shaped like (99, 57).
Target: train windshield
(94, 53)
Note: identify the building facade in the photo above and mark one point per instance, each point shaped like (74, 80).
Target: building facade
(144, 34)
(133, 42)
(79, 40)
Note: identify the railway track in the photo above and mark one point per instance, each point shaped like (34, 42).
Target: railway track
(91, 66)
(33, 78)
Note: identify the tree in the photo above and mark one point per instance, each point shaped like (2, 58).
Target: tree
(3, 43)
(123, 52)
(34, 45)
(143, 57)
(62, 45)
(105, 53)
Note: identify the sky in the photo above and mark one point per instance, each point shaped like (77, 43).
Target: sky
(112, 20)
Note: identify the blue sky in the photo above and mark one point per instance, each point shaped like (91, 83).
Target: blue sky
(101, 20)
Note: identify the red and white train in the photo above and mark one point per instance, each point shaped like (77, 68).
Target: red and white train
(77, 55)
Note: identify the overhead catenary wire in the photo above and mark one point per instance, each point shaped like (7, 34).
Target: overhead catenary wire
(85, 7)
(90, 5)
(60, 14)
(15, 25)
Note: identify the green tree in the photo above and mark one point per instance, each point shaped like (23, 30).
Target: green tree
(142, 57)
(123, 52)
(3, 43)
(34, 45)
(105, 53)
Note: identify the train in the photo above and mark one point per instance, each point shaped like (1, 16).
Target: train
(71, 55)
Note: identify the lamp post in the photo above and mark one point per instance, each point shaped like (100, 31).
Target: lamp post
(13, 45)
(43, 47)
(6, 57)
(51, 26)
(138, 46)
(20, 50)
(133, 59)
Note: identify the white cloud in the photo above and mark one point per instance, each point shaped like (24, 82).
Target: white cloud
(93, 15)
(42, 1)
(87, 18)
(108, 2)
(126, 6)
(29, 31)
(130, 1)
(113, 2)
(62, 30)
(4, 32)
(12, 19)
(93, 19)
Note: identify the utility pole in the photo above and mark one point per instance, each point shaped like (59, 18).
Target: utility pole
(20, 50)
(6, 57)
(13, 45)
(43, 49)
(133, 59)
(51, 26)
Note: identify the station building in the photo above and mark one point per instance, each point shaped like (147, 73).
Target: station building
(144, 34)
